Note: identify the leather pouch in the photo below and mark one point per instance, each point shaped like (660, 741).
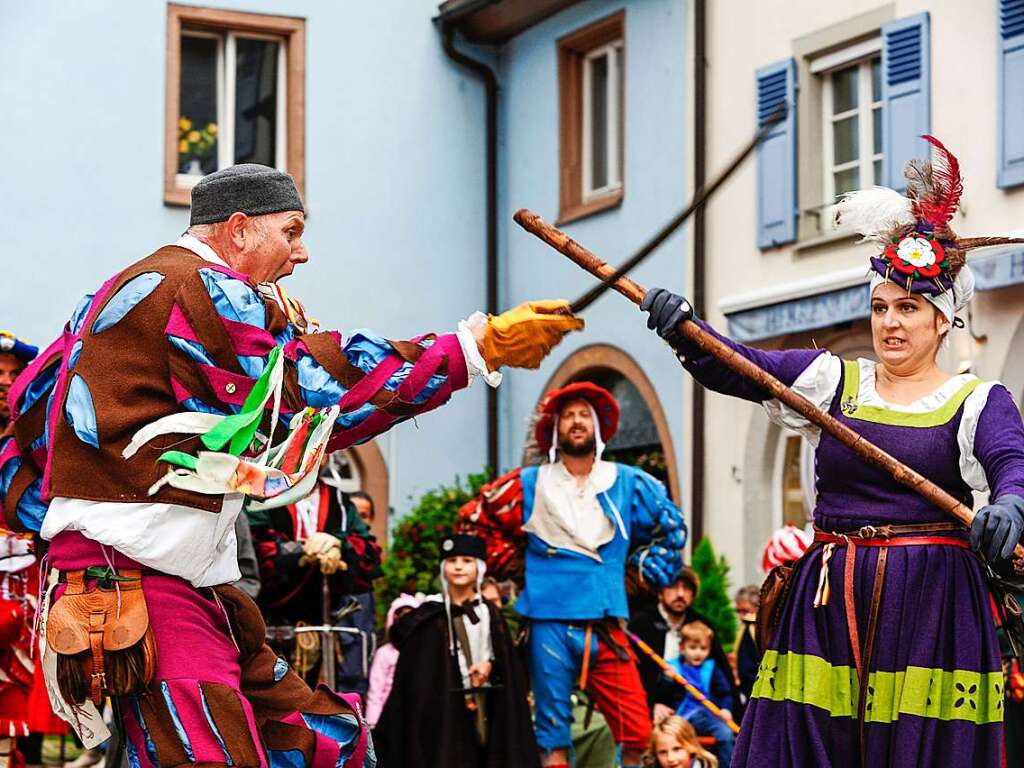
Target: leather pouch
(99, 629)
(774, 591)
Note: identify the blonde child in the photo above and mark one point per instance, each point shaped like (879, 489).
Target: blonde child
(700, 670)
(674, 744)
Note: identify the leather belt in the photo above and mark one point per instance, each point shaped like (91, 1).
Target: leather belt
(882, 537)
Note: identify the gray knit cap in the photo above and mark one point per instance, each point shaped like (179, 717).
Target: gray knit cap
(255, 190)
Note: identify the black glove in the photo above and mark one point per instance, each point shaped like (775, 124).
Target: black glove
(667, 310)
(997, 528)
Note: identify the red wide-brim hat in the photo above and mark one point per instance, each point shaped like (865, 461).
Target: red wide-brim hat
(605, 406)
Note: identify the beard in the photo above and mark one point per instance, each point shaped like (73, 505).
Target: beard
(577, 450)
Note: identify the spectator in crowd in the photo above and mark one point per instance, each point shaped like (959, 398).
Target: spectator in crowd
(459, 696)
(712, 680)
(674, 744)
(661, 628)
(364, 506)
(747, 656)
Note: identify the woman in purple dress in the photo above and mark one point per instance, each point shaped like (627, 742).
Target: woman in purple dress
(886, 651)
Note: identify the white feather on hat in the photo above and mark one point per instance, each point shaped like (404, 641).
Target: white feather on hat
(876, 213)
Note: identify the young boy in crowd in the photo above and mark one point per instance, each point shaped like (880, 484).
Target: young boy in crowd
(711, 680)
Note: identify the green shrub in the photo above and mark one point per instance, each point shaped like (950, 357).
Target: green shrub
(713, 599)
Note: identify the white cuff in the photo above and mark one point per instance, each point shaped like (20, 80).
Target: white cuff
(475, 363)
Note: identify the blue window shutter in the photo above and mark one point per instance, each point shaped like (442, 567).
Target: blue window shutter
(776, 156)
(1011, 93)
(906, 94)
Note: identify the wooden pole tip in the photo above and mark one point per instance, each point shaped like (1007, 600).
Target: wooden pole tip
(523, 214)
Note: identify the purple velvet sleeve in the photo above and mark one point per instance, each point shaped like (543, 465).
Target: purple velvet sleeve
(999, 444)
(783, 364)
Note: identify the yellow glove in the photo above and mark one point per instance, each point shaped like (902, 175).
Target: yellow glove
(523, 336)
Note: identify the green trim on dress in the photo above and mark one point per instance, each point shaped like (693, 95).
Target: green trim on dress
(938, 694)
(849, 403)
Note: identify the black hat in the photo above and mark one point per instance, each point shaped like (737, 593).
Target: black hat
(252, 189)
(464, 544)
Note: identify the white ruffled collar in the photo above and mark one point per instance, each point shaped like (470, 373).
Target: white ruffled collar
(868, 395)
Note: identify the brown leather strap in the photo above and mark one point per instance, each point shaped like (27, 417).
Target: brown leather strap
(851, 607)
(587, 635)
(98, 678)
(869, 647)
(75, 581)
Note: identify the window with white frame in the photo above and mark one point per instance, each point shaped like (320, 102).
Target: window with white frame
(232, 101)
(235, 94)
(602, 121)
(851, 82)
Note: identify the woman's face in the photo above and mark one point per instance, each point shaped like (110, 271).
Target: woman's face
(906, 330)
(670, 753)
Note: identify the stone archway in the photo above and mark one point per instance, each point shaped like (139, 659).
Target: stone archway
(604, 357)
(373, 472)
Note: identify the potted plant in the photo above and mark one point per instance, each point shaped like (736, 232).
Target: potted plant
(195, 145)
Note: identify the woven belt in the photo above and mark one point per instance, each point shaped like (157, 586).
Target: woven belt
(883, 537)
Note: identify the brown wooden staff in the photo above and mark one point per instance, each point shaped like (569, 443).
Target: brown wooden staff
(564, 244)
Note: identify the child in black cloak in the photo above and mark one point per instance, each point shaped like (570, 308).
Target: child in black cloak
(459, 695)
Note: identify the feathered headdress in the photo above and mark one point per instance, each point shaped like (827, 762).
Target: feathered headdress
(920, 251)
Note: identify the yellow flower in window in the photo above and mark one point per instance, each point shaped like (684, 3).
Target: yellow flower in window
(193, 136)
(211, 128)
(184, 124)
(183, 146)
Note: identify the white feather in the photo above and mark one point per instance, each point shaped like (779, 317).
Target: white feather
(875, 213)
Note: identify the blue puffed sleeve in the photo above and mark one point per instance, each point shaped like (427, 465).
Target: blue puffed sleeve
(658, 531)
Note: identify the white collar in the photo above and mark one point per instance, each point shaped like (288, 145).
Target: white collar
(201, 249)
(602, 474)
(868, 394)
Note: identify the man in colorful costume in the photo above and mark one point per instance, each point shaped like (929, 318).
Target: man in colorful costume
(885, 650)
(300, 547)
(137, 478)
(580, 520)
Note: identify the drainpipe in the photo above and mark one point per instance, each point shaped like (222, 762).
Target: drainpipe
(490, 81)
(699, 253)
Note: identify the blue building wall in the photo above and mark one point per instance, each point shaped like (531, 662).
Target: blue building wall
(655, 183)
(394, 168)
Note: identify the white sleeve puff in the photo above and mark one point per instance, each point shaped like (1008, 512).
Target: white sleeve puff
(970, 468)
(818, 383)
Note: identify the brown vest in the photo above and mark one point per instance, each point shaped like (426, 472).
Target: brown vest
(128, 368)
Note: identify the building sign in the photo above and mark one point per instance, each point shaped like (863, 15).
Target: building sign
(803, 314)
(822, 310)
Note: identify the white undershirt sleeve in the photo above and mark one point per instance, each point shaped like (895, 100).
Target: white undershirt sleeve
(817, 382)
(970, 468)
